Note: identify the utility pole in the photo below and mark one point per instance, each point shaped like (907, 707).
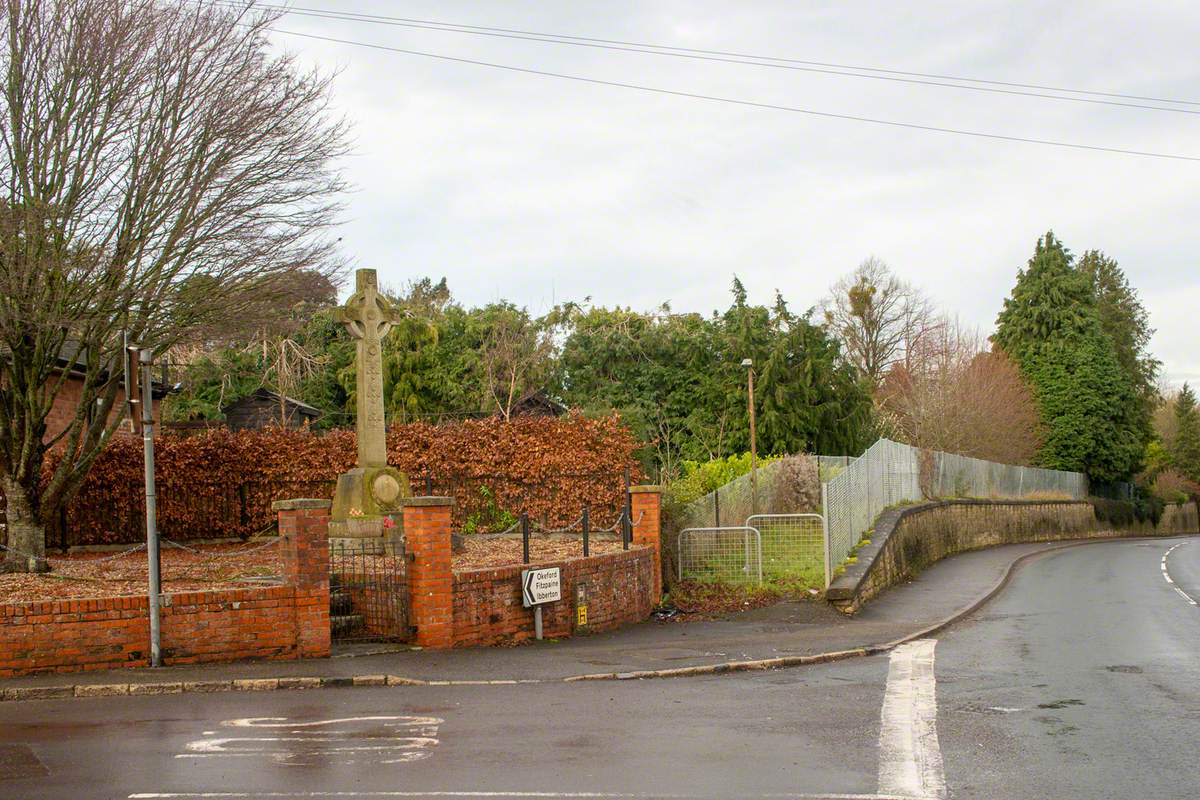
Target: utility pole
(749, 365)
(145, 358)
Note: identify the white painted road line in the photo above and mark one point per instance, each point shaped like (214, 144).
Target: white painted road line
(491, 794)
(378, 739)
(1167, 575)
(910, 761)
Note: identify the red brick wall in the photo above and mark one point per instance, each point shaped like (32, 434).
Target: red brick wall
(430, 587)
(108, 632)
(275, 622)
(66, 402)
(488, 609)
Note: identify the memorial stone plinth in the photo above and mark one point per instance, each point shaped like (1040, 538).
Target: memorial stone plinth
(372, 491)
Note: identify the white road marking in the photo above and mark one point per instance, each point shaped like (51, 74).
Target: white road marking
(910, 761)
(1167, 575)
(549, 795)
(284, 722)
(404, 739)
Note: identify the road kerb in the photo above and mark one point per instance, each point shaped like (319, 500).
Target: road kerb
(723, 667)
(26, 693)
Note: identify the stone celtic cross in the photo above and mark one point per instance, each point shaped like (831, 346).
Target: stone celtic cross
(369, 316)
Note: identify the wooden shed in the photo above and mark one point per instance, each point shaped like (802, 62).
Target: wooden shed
(265, 409)
(537, 403)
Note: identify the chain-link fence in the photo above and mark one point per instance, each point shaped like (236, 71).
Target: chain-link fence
(791, 552)
(785, 486)
(720, 555)
(829, 467)
(889, 474)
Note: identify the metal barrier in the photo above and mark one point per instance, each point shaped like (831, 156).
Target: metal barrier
(794, 546)
(368, 590)
(731, 554)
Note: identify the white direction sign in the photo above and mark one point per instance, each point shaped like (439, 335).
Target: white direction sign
(541, 586)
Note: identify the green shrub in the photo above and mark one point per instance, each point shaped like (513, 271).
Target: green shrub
(1117, 513)
(700, 478)
(1124, 513)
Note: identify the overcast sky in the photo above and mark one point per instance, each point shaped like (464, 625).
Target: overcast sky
(538, 189)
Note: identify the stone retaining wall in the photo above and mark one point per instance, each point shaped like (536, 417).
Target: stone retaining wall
(907, 540)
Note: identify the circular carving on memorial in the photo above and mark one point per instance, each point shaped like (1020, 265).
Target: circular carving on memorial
(386, 489)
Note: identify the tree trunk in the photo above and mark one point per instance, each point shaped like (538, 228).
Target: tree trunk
(25, 550)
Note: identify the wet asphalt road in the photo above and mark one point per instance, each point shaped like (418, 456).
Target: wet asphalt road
(1081, 680)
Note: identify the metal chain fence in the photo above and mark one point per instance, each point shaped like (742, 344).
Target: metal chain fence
(890, 473)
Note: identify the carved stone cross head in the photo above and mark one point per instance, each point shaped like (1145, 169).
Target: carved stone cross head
(367, 314)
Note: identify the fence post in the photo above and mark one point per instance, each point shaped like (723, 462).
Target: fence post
(647, 502)
(717, 506)
(430, 573)
(244, 509)
(825, 533)
(524, 538)
(586, 531)
(626, 527)
(304, 554)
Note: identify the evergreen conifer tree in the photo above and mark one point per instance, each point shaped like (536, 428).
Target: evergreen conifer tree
(1051, 327)
(1185, 449)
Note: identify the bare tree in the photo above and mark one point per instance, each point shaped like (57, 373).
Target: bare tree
(515, 355)
(878, 317)
(955, 396)
(164, 173)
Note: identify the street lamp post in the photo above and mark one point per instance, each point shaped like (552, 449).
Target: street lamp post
(749, 365)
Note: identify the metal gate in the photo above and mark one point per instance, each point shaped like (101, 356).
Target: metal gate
(731, 554)
(794, 547)
(368, 591)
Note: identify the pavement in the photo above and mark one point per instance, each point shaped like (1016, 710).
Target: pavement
(1079, 681)
(787, 634)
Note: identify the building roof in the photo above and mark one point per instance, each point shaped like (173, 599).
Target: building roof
(264, 393)
(538, 403)
(72, 358)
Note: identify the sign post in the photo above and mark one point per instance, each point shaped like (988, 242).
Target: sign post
(538, 587)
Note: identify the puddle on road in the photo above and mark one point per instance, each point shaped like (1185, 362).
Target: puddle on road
(1056, 727)
(1061, 704)
(19, 761)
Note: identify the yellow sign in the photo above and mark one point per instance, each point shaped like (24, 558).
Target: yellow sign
(582, 616)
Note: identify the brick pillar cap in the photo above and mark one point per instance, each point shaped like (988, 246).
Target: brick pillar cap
(427, 501)
(652, 488)
(300, 503)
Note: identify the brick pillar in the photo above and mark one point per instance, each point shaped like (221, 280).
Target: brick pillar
(430, 577)
(646, 512)
(304, 551)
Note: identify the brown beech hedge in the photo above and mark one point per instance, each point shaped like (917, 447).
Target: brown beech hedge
(220, 483)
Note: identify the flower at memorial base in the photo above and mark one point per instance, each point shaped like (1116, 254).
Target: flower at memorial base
(354, 512)
(388, 522)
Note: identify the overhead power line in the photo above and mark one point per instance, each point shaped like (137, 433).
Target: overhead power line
(747, 103)
(819, 67)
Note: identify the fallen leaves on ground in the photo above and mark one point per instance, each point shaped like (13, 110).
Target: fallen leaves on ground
(482, 553)
(699, 600)
(227, 566)
(109, 574)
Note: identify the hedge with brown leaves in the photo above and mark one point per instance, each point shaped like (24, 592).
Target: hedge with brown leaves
(221, 483)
